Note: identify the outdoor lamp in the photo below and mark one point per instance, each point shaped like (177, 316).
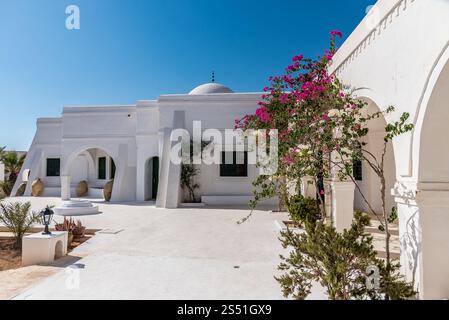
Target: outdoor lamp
(46, 214)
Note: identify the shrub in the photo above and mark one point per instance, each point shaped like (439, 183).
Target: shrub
(188, 174)
(67, 225)
(303, 209)
(18, 218)
(340, 262)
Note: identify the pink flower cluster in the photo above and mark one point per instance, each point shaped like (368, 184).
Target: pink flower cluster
(284, 134)
(288, 159)
(304, 80)
(336, 33)
(263, 114)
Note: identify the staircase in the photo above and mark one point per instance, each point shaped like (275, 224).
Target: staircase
(379, 238)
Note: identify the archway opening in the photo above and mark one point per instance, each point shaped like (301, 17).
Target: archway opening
(92, 168)
(367, 179)
(151, 178)
(434, 142)
(59, 250)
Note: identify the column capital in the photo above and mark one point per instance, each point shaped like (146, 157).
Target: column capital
(337, 184)
(421, 193)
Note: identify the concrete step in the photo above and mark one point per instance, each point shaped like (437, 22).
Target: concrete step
(379, 239)
(374, 228)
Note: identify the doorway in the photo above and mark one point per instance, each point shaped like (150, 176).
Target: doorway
(152, 179)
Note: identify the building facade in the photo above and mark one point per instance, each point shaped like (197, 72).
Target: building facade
(131, 144)
(398, 56)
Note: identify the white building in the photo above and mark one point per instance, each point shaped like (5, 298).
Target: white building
(131, 143)
(398, 55)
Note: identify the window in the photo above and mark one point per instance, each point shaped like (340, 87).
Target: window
(357, 170)
(102, 168)
(53, 167)
(234, 169)
(112, 173)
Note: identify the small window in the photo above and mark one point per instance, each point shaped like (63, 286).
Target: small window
(234, 169)
(53, 167)
(112, 173)
(357, 170)
(102, 168)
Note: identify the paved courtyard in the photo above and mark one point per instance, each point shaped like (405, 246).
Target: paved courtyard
(153, 253)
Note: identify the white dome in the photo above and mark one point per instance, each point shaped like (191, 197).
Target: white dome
(210, 88)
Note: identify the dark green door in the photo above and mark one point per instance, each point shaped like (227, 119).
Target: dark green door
(155, 179)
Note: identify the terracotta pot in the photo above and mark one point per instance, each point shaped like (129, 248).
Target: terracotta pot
(37, 188)
(21, 190)
(107, 190)
(82, 189)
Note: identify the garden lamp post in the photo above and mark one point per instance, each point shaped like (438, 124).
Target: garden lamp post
(46, 214)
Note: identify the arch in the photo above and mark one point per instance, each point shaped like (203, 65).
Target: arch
(370, 182)
(83, 148)
(432, 152)
(97, 165)
(439, 68)
(59, 250)
(426, 225)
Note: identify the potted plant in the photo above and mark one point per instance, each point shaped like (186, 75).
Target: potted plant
(67, 225)
(78, 230)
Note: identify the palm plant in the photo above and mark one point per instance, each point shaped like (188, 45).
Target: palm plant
(18, 218)
(13, 164)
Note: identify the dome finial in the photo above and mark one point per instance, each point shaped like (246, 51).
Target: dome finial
(213, 76)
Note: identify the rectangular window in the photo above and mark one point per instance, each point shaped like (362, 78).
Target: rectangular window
(53, 167)
(357, 170)
(234, 169)
(102, 168)
(112, 173)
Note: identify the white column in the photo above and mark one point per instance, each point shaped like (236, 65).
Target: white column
(342, 204)
(308, 188)
(65, 188)
(424, 237)
(342, 195)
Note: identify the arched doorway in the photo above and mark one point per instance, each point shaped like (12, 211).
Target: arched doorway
(93, 165)
(367, 180)
(151, 178)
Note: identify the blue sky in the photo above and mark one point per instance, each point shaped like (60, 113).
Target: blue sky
(127, 50)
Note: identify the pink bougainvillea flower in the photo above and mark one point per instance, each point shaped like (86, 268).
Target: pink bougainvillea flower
(298, 58)
(335, 33)
(263, 114)
(283, 98)
(289, 68)
(329, 55)
(287, 159)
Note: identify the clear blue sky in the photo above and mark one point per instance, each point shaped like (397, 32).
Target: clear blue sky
(128, 50)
